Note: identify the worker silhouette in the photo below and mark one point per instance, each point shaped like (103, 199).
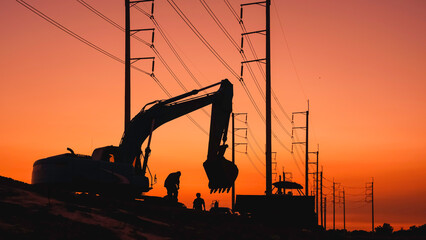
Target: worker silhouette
(199, 203)
(172, 185)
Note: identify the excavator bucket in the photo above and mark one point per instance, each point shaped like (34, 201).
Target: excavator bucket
(221, 173)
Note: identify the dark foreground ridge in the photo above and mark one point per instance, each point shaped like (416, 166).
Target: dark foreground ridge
(27, 214)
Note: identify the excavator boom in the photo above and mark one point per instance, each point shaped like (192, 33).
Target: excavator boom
(113, 166)
(221, 172)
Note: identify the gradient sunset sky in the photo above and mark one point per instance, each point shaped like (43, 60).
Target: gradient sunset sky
(361, 64)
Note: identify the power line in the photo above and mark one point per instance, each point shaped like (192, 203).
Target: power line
(241, 22)
(289, 52)
(223, 29)
(200, 36)
(168, 42)
(213, 51)
(205, 42)
(83, 40)
(82, 2)
(257, 169)
(98, 13)
(217, 21)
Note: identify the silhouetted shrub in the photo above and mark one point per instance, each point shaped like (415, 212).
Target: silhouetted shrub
(386, 229)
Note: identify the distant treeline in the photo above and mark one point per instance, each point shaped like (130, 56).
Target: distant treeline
(384, 232)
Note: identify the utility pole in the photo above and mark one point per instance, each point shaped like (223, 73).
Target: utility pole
(316, 181)
(306, 142)
(268, 102)
(334, 205)
(233, 161)
(316, 185)
(322, 216)
(267, 60)
(344, 210)
(369, 198)
(233, 150)
(307, 151)
(128, 60)
(325, 213)
(372, 205)
(127, 66)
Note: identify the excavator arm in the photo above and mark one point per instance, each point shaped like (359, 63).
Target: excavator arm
(221, 172)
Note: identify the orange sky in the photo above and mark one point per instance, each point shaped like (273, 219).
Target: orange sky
(361, 64)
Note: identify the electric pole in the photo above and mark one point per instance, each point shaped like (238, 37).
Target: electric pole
(268, 102)
(316, 185)
(267, 60)
(344, 210)
(307, 152)
(369, 198)
(372, 205)
(128, 60)
(334, 205)
(306, 142)
(233, 161)
(234, 144)
(325, 213)
(316, 181)
(127, 66)
(322, 216)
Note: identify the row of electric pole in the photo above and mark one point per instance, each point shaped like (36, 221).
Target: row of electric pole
(341, 198)
(320, 200)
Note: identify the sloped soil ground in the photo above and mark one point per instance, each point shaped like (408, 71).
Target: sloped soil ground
(29, 214)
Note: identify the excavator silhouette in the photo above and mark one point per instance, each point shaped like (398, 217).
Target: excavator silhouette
(113, 170)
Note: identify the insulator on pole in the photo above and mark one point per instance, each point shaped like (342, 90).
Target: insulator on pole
(242, 42)
(152, 39)
(152, 8)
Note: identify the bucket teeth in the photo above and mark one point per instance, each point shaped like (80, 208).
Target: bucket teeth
(220, 190)
(221, 174)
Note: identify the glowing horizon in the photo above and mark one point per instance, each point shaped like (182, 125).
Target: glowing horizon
(360, 63)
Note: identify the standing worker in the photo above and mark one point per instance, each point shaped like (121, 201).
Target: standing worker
(172, 185)
(199, 203)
